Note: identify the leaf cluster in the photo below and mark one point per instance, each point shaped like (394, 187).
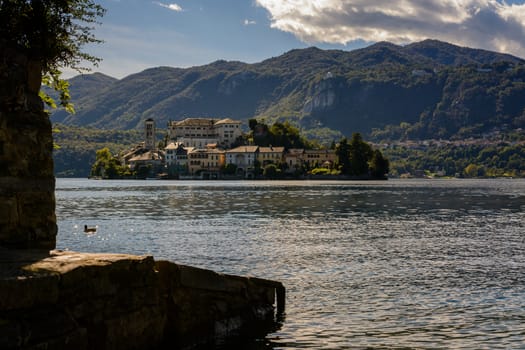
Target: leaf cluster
(279, 134)
(108, 166)
(52, 32)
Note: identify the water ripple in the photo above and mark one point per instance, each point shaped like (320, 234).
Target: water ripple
(394, 265)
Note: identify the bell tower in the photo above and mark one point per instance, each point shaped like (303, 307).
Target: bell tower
(149, 134)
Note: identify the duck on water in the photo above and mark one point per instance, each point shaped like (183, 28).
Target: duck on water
(90, 229)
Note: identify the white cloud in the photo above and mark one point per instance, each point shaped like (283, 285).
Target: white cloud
(248, 22)
(489, 24)
(173, 7)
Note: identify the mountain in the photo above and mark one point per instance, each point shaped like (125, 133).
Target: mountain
(423, 90)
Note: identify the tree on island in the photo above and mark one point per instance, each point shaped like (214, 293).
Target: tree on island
(360, 154)
(379, 165)
(109, 167)
(357, 158)
(278, 135)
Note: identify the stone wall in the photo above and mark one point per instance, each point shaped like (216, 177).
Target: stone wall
(68, 300)
(27, 183)
(203, 306)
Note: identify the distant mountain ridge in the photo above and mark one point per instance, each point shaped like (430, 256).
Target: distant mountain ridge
(430, 88)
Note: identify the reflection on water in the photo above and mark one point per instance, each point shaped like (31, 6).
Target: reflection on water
(417, 264)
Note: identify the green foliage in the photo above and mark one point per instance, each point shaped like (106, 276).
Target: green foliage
(459, 159)
(52, 33)
(229, 169)
(53, 81)
(473, 170)
(342, 151)
(325, 171)
(325, 137)
(278, 135)
(419, 91)
(78, 147)
(252, 123)
(108, 166)
(357, 158)
(271, 171)
(379, 165)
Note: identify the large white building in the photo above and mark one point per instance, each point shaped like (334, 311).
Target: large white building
(200, 132)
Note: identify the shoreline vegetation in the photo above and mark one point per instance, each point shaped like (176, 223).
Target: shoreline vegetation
(265, 152)
(502, 156)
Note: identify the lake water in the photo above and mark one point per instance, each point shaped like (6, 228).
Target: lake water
(393, 264)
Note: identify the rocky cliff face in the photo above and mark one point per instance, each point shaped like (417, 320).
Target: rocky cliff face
(323, 96)
(27, 183)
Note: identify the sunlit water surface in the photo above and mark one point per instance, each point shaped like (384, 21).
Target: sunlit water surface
(395, 264)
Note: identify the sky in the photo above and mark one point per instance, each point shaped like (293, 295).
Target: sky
(141, 34)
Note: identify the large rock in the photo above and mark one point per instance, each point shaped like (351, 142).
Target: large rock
(62, 300)
(79, 300)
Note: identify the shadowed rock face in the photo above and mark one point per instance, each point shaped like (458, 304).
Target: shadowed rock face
(117, 301)
(27, 183)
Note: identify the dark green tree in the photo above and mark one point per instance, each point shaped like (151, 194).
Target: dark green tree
(379, 165)
(360, 154)
(342, 151)
(271, 171)
(108, 166)
(52, 33)
(287, 135)
(102, 159)
(252, 123)
(229, 169)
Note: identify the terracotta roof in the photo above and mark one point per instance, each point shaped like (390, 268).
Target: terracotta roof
(228, 121)
(295, 151)
(271, 149)
(206, 150)
(195, 121)
(204, 122)
(146, 156)
(243, 149)
(173, 145)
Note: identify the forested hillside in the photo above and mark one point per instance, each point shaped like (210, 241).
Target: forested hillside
(425, 90)
(391, 94)
(76, 147)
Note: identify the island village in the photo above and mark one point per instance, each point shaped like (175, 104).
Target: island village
(207, 148)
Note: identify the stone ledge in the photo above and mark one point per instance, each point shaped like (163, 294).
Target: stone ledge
(63, 299)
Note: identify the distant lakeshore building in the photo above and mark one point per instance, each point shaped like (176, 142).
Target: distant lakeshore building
(200, 132)
(149, 134)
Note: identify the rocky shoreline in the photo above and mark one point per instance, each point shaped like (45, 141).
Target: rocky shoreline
(63, 299)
